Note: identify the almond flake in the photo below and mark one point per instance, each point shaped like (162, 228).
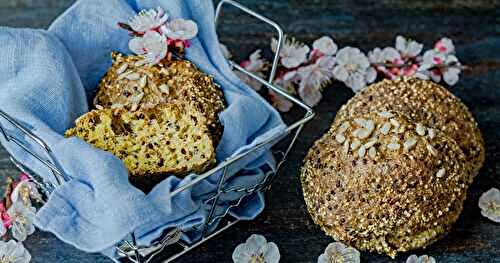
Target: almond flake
(122, 68)
(409, 144)
(432, 150)
(340, 138)
(361, 151)
(441, 172)
(372, 152)
(344, 127)
(385, 114)
(133, 76)
(393, 146)
(355, 144)
(385, 128)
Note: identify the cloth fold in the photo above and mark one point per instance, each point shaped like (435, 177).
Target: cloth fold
(47, 78)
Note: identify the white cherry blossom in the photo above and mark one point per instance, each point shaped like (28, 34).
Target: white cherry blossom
(180, 29)
(381, 56)
(353, 68)
(286, 82)
(325, 45)
(153, 46)
(148, 20)
(292, 53)
(256, 64)
(408, 47)
(489, 202)
(22, 217)
(24, 191)
(256, 249)
(439, 65)
(313, 77)
(445, 45)
(338, 252)
(421, 259)
(13, 252)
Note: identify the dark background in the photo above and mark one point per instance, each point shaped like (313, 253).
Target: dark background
(473, 25)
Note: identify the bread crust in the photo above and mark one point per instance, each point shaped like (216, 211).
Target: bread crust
(426, 102)
(133, 86)
(381, 182)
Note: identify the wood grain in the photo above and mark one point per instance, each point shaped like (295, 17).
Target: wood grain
(473, 25)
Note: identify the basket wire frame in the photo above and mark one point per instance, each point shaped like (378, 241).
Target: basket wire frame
(128, 249)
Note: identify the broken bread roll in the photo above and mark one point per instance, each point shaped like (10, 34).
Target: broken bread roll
(130, 84)
(167, 139)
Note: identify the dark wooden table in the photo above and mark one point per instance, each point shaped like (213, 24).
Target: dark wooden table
(473, 25)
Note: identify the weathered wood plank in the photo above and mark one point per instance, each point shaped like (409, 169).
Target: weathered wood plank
(474, 26)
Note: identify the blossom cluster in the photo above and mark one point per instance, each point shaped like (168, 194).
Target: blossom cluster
(17, 212)
(153, 36)
(306, 71)
(258, 249)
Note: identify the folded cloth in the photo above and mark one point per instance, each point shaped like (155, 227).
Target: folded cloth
(47, 77)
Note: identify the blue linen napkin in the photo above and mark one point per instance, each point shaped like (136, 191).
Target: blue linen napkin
(47, 78)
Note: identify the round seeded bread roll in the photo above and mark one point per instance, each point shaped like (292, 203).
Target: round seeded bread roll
(383, 183)
(132, 85)
(167, 139)
(426, 102)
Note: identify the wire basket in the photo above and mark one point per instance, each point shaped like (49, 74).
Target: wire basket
(171, 243)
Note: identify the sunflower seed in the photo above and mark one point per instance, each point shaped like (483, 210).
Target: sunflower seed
(394, 123)
(164, 88)
(372, 152)
(370, 143)
(346, 146)
(409, 144)
(124, 74)
(432, 150)
(361, 151)
(432, 133)
(355, 144)
(362, 133)
(385, 114)
(385, 128)
(393, 146)
(122, 68)
(420, 129)
(133, 76)
(344, 127)
(340, 138)
(117, 106)
(143, 81)
(360, 122)
(441, 172)
(370, 125)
